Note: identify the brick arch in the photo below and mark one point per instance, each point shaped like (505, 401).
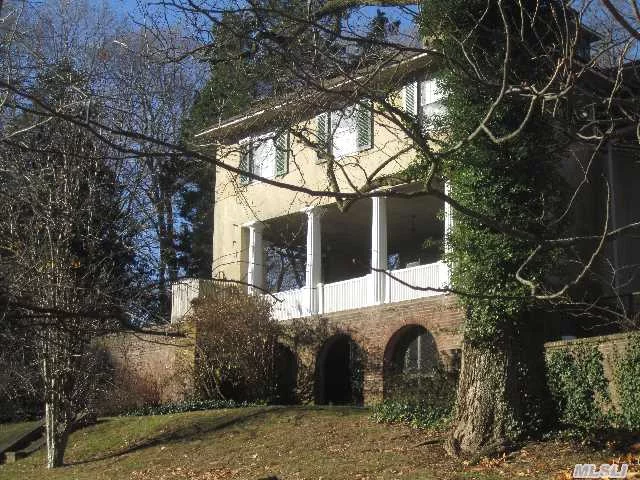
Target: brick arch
(286, 368)
(395, 351)
(339, 371)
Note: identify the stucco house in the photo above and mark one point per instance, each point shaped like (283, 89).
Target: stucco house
(350, 264)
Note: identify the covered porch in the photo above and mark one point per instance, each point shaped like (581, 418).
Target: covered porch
(321, 260)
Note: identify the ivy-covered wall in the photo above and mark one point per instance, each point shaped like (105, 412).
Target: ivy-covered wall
(595, 382)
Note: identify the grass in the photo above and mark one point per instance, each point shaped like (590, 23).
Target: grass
(288, 443)
(9, 430)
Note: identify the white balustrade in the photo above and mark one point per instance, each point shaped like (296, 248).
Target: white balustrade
(354, 293)
(345, 295)
(290, 304)
(430, 275)
(182, 293)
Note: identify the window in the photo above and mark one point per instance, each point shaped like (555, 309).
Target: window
(583, 50)
(347, 131)
(266, 156)
(422, 98)
(430, 98)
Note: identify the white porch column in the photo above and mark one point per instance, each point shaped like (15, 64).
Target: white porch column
(255, 272)
(378, 250)
(313, 271)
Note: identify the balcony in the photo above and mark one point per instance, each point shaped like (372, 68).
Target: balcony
(356, 292)
(320, 261)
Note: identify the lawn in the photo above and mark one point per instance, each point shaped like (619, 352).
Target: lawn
(9, 430)
(287, 443)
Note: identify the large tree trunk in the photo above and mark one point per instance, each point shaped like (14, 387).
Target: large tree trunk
(501, 394)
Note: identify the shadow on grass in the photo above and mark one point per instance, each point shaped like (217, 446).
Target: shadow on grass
(202, 426)
(191, 431)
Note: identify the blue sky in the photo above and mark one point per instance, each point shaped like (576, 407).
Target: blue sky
(135, 7)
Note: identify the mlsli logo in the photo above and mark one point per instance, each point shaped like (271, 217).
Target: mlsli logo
(589, 470)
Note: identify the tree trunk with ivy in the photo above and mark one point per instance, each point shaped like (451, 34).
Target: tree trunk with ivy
(500, 395)
(485, 412)
(517, 181)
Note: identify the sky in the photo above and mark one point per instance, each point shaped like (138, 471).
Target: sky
(136, 7)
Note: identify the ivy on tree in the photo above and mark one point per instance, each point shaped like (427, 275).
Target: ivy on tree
(501, 389)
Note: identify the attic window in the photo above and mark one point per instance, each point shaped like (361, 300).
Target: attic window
(266, 156)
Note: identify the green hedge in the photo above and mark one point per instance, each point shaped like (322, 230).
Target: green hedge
(626, 374)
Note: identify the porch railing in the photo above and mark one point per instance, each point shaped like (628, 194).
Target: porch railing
(355, 292)
(433, 275)
(290, 304)
(344, 295)
(182, 292)
(331, 297)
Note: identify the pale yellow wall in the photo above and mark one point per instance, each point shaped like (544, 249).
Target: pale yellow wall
(238, 204)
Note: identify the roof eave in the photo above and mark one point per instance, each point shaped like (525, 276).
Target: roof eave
(230, 130)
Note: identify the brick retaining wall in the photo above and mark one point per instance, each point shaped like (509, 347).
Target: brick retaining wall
(148, 368)
(158, 362)
(608, 345)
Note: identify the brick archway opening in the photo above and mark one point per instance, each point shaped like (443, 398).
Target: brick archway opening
(339, 372)
(286, 371)
(411, 360)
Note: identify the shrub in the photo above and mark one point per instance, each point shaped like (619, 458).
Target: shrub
(417, 415)
(578, 388)
(236, 347)
(627, 381)
(421, 399)
(436, 388)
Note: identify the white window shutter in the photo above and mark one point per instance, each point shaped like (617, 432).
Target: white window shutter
(281, 143)
(411, 100)
(364, 125)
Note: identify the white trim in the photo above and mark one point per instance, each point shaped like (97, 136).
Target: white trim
(297, 101)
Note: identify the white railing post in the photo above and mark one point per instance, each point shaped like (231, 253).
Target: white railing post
(255, 273)
(387, 288)
(320, 298)
(448, 222)
(378, 250)
(314, 257)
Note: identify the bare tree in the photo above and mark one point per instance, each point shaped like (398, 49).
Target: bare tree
(327, 61)
(66, 252)
(75, 235)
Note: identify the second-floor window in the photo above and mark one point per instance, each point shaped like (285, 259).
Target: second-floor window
(347, 131)
(266, 156)
(422, 99)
